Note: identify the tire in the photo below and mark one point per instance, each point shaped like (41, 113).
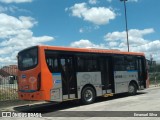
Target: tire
(132, 89)
(88, 95)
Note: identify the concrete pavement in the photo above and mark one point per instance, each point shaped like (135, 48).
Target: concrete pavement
(146, 100)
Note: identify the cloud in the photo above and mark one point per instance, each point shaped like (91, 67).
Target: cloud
(81, 30)
(86, 29)
(132, 0)
(84, 43)
(137, 42)
(93, 1)
(16, 34)
(78, 9)
(151, 48)
(12, 9)
(15, 1)
(95, 15)
(11, 26)
(117, 40)
(136, 37)
(112, 44)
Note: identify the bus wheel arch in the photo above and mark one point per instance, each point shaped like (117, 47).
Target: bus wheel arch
(88, 94)
(132, 87)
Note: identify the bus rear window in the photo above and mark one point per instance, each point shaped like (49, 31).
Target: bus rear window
(28, 59)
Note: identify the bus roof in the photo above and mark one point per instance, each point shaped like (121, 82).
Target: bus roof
(89, 50)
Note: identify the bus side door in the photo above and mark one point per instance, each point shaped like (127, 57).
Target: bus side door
(106, 67)
(68, 76)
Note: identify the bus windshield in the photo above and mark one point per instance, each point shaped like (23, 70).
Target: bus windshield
(28, 59)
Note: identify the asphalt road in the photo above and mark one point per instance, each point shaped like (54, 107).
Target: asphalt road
(145, 103)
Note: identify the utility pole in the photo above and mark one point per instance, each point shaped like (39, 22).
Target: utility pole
(125, 10)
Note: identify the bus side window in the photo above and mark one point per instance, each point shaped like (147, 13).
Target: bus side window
(80, 63)
(124, 63)
(130, 63)
(55, 65)
(119, 63)
(63, 64)
(87, 63)
(52, 64)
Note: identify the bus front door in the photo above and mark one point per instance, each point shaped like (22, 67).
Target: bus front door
(68, 77)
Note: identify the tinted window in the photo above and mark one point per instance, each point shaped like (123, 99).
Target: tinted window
(28, 59)
(52, 64)
(87, 63)
(119, 63)
(130, 63)
(52, 61)
(124, 63)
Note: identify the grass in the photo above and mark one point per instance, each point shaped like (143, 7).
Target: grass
(8, 94)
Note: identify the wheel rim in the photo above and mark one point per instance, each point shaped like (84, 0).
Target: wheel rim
(88, 95)
(131, 89)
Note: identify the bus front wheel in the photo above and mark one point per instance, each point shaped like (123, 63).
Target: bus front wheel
(88, 95)
(132, 89)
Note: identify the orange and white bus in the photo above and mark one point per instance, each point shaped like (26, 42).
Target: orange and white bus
(53, 73)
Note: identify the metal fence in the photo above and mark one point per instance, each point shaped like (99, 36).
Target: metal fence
(154, 78)
(8, 83)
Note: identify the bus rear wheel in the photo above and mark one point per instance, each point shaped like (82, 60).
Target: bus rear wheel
(88, 95)
(132, 89)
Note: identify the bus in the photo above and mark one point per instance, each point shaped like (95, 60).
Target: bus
(52, 73)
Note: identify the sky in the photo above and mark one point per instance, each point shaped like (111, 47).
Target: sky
(79, 23)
